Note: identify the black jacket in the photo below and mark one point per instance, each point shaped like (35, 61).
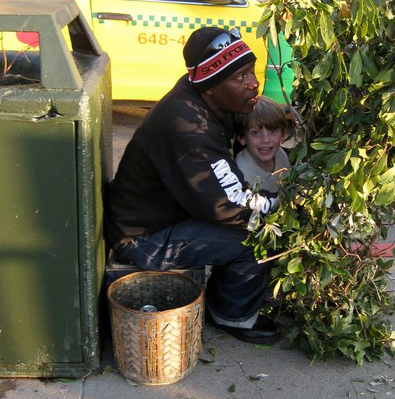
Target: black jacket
(177, 165)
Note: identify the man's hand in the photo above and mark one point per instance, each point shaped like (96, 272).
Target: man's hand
(262, 203)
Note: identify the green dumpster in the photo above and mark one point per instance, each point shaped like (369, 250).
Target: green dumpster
(55, 160)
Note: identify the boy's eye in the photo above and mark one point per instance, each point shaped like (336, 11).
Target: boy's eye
(259, 132)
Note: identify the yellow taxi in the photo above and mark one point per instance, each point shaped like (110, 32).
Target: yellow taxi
(145, 39)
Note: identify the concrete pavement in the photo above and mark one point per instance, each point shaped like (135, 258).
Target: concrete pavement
(227, 368)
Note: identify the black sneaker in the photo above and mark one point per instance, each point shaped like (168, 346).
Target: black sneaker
(264, 331)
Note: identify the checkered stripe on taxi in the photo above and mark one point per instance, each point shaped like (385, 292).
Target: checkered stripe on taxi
(188, 22)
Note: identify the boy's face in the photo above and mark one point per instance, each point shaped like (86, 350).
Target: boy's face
(263, 144)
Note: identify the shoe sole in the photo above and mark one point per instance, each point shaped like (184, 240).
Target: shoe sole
(258, 340)
(252, 340)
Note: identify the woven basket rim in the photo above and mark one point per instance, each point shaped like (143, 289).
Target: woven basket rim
(134, 275)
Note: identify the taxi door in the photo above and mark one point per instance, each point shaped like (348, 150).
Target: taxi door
(145, 39)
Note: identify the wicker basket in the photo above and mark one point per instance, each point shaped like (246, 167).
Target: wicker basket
(162, 347)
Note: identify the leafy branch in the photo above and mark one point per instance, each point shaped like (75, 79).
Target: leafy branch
(339, 197)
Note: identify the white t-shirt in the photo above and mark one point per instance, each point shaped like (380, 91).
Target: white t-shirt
(251, 169)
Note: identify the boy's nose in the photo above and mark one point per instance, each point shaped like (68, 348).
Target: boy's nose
(264, 135)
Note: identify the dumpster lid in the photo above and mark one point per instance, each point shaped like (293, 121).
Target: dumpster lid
(61, 11)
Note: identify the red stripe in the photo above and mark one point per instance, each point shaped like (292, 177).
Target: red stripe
(219, 61)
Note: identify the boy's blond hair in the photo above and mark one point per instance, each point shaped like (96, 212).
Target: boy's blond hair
(267, 113)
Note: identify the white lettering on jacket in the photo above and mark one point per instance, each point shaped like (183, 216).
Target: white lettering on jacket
(228, 181)
(234, 189)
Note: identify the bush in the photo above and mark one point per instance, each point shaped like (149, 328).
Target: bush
(339, 198)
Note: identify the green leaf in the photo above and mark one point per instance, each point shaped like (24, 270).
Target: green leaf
(362, 153)
(384, 77)
(290, 221)
(355, 162)
(386, 194)
(388, 176)
(204, 361)
(338, 161)
(262, 29)
(212, 351)
(326, 276)
(109, 369)
(277, 288)
(273, 31)
(232, 388)
(295, 266)
(355, 71)
(340, 101)
(300, 152)
(367, 188)
(381, 164)
(327, 33)
(311, 25)
(325, 144)
(357, 13)
(357, 202)
(369, 66)
(287, 285)
(324, 68)
(301, 288)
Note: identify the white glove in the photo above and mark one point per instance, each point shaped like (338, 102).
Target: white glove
(262, 204)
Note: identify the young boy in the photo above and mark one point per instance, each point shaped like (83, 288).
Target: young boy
(262, 132)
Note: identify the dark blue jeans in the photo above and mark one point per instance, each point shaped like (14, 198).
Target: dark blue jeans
(237, 283)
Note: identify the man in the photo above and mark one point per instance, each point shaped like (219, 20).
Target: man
(178, 199)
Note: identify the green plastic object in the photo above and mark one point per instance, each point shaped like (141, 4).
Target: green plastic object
(55, 161)
(272, 87)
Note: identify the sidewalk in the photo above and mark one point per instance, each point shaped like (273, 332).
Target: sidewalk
(227, 365)
(227, 368)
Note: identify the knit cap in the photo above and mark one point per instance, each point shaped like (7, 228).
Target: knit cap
(212, 54)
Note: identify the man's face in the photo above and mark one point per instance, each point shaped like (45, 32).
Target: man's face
(237, 93)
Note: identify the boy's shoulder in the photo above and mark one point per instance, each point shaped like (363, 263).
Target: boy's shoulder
(282, 159)
(243, 156)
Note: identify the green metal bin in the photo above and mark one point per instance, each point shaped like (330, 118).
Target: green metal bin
(55, 160)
